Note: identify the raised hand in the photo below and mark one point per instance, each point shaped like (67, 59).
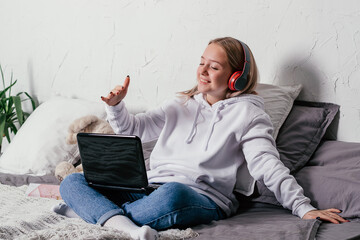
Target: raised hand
(117, 94)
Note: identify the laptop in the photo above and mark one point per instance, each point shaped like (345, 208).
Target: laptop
(114, 162)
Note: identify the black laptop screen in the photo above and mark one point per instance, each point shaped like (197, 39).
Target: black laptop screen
(113, 160)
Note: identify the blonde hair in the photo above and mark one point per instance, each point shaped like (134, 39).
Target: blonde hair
(235, 55)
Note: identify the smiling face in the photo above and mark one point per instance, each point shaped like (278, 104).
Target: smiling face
(213, 73)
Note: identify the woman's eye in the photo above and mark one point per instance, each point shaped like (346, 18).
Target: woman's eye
(215, 68)
(201, 64)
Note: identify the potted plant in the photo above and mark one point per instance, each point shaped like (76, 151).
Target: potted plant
(12, 115)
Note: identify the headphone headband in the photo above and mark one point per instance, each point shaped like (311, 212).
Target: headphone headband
(238, 79)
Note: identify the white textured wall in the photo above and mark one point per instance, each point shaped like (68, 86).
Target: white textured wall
(83, 48)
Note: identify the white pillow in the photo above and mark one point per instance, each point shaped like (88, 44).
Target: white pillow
(40, 143)
(278, 102)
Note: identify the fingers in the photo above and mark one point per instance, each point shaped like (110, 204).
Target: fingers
(117, 90)
(105, 99)
(327, 218)
(329, 215)
(108, 97)
(334, 210)
(127, 82)
(117, 94)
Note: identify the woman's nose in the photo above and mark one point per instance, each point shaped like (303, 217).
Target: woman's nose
(204, 70)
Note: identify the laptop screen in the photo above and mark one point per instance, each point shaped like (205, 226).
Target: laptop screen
(112, 160)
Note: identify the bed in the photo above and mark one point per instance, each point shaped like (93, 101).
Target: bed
(327, 169)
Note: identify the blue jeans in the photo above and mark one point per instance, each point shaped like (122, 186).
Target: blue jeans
(171, 205)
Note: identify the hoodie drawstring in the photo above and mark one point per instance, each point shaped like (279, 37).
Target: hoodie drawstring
(214, 120)
(193, 129)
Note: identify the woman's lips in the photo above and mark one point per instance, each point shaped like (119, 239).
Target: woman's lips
(204, 81)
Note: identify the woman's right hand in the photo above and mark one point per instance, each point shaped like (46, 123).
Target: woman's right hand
(117, 94)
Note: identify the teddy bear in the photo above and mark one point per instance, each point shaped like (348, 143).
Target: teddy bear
(64, 169)
(89, 124)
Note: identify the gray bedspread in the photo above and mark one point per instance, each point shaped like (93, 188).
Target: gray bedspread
(261, 221)
(344, 231)
(19, 180)
(266, 221)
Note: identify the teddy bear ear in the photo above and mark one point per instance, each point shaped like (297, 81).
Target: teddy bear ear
(79, 124)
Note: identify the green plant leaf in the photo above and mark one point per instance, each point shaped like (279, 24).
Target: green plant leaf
(11, 108)
(7, 135)
(3, 92)
(26, 115)
(11, 80)
(12, 127)
(2, 76)
(2, 127)
(2, 106)
(32, 100)
(11, 116)
(18, 109)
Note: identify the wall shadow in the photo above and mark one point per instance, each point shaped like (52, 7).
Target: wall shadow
(301, 71)
(297, 70)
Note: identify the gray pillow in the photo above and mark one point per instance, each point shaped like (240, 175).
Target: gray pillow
(302, 132)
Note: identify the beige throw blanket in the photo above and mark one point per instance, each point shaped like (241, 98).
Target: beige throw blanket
(24, 217)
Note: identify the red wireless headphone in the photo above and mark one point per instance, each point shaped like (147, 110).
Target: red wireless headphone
(238, 79)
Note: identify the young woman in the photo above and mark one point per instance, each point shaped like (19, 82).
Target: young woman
(204, 137)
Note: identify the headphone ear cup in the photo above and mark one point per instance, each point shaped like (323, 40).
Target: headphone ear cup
(236, 82)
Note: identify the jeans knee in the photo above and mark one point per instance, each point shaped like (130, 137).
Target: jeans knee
(73, 178)
(70, 183)
(175, 188)
(178, 194)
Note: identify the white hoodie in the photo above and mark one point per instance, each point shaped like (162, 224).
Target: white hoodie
(205, 146)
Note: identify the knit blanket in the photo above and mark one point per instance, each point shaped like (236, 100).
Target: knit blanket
(23, 217)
